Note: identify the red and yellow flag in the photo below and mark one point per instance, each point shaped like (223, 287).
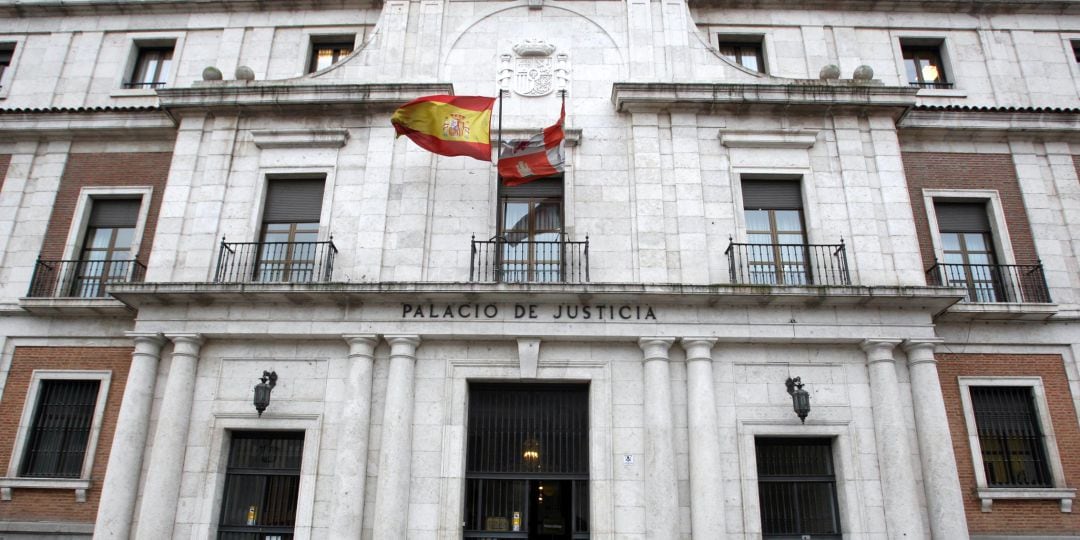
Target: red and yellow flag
(448, 125)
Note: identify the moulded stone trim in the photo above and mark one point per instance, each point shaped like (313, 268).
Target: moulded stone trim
(988, 495)
(300, 138)
(794, 139)
(80, 486)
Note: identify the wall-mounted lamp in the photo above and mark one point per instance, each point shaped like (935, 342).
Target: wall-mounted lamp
(262, 390)
(800, 399)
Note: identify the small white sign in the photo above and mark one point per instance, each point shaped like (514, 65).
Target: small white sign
(628, 459)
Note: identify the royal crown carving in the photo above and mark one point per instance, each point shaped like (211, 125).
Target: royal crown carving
(534, 47)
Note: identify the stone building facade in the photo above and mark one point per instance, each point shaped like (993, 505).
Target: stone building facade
(602, 354)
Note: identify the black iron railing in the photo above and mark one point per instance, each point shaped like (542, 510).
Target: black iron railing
(788, 264)
(993, 283)
(275, 262)
(529, 261)
(144, 84)
(941, 85)
(81, 278)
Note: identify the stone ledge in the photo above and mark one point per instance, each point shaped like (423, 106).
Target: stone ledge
(999, 312)
(989, 495)
(84, 307)
(807, 95)
(1063, 122)
(77, 484)
(297, 95)
(300, 138)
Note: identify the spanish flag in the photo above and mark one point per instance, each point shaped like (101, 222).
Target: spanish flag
(448, 125)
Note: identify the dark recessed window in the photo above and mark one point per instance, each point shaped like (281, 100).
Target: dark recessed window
(61, 428)
(797, 488)
(1010, 437)
(152, 65)
(923, 65)
(262, 485)
(1076, 50)
(748, 52)
(7, 52)
(327, 52)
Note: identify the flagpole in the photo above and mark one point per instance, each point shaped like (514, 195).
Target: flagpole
(498, 147)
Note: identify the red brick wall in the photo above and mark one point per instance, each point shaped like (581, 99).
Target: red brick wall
(106, 170)
(1014, 516)
(59, 504)
(935, 170)
(5, 160)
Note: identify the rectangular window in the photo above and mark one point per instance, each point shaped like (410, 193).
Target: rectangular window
(527, 461)
(777, 253)
(58, 437)
(747, 51)
(797, 488)
(1010, 437)
(289, 247)
(967, 245)
(106, 249)
(152, 66)
(328, 50)
(922, 61)
(7, 53)
(1076, 50)
(262, 485)
(531, 225)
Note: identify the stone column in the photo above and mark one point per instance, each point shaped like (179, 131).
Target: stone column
(706, 478)
(117, 505)
(161, 490)
(395, 454)
(944, 498)
(661, 486)
(347, 511)
(902, 515)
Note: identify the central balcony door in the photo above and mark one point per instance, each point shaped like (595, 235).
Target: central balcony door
(527, 465)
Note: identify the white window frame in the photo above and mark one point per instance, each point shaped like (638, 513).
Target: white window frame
(18, 43)
(135, 42)
(845, 466)
(221, 439)
(79, 485)
(328, 34)
(927, 40)
(988, 494)
(1003, 250)
(81, 218)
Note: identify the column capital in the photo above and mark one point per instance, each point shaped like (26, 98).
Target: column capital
(655, 348)
(146, 339)
(879, 350)
(403, 345)
(361, 344)
(917, 344)
(698, 348)
(188, 344)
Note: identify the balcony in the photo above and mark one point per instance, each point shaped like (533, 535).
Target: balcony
(499, 260)
(993, 283)
(275, 262)
(796, 265)
(81, 278)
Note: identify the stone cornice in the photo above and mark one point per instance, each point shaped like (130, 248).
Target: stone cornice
(69, 123)
(47, 8)
(805, 95)
(263, 96)
(894, 6)
(1040, 121)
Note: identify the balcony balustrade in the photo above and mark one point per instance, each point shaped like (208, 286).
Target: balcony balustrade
(993, 283)
(499, 260)
(82, 278)
(275, 262)
(788, 264)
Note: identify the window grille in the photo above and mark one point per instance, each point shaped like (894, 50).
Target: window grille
(527, 462)
(262, 484)
(1010, 437)
(797, 488)
(61, 428)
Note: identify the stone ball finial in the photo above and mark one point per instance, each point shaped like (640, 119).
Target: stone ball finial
(244, 73)
(829, 72)
(211, 73)
(863, 73)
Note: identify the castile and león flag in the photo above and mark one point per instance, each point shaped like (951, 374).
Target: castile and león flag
(461, 126)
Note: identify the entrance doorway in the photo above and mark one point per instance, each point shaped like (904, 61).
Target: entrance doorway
(527, 462)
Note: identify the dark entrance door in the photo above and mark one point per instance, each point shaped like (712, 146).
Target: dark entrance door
(527, 462)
